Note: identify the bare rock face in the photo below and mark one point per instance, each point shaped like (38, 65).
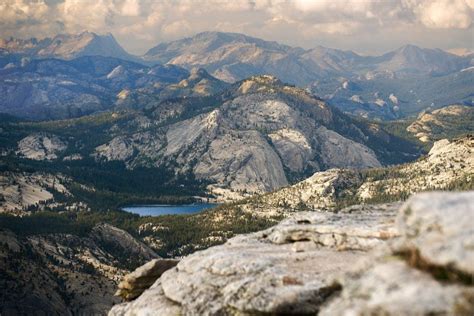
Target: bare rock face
(320, 191)
(132, 149)
(340, 152)
(293, 147)
(287, 269)
(252, 138)
(434, 125)
(360, 261)
(109, 234)
(19, 191)
(351, 229)
(41, 146)
(118, 148)
(439, 226)
(394, 288)
(428, 271)
(143, 277)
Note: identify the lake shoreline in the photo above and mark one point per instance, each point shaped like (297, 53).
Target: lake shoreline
(167, 209)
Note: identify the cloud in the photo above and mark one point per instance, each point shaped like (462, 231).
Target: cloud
(354, 24)
(96, 15)
(17, 12)
(131, 8)
(446, 13)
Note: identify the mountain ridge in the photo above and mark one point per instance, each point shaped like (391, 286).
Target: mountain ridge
(256, 135)
(394, 85)
(68, 46)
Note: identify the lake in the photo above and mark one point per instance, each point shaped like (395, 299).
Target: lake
(162, 209)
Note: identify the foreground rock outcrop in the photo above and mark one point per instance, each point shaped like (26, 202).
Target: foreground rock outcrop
(135, 283)
(362, 260)
(428, 271)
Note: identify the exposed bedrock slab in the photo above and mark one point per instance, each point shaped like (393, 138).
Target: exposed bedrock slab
(142, 278)
(289, 268)
(440, 227)
(363, 260)
(428, 271)
(394, 288)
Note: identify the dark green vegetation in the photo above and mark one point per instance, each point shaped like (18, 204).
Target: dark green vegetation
(115, 184)
(383, 194)
(44, 223)
(184, 234)
(178, 234)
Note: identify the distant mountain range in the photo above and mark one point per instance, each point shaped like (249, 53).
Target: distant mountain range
(232, 56)
(54, 89)
(66, 46)
(394, 85)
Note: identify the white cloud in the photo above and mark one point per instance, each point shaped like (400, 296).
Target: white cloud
(354, 24)
(96, 15)
(446, 13)
(19, 11)
(338, 7)
(131, 8)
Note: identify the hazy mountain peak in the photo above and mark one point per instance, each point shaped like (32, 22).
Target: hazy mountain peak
(411, 58)
(68, 46)
(226, 37)
(205, 44)
(409, 48)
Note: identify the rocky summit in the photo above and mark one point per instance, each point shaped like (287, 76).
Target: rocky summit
(360, 261)
(448, 165)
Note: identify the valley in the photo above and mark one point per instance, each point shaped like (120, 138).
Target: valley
(233, 156)
(253, 137)
(448, 166)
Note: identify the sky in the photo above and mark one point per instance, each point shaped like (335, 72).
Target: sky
(364, 26)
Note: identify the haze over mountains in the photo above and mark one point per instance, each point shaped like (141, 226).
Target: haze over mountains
(205, 107)
(393, 85)
(54, 88)
(67, 46)
(397, 84)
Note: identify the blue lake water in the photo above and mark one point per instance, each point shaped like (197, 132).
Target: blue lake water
(162, 209)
